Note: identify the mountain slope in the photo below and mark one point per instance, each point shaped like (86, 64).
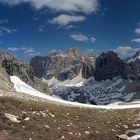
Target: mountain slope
(9, 66)
(53, 122)
(49, 118)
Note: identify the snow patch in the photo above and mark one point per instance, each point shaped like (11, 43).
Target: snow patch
(76, 81)
(94, 92)
(20, 86)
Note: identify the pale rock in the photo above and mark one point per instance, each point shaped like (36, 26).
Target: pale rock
(87, 132)
(123, 137)
(27, 119)
(12, 118)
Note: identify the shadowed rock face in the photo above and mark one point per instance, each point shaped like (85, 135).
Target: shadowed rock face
(109, 65)
(12, 66)
(63, 66)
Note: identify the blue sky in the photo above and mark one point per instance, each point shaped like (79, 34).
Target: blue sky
(33, 27)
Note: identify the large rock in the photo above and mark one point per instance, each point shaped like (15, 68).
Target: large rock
(109, 65)
(134, 62)
(88, 65)
(12, 66)
(62, 65)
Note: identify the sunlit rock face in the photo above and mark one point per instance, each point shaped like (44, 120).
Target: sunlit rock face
(64, 65)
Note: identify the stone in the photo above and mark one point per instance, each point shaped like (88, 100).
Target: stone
(87, 132)
(123, 137)
(12, 118)
(27, 119)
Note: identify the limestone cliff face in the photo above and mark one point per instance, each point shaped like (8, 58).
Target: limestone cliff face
(12, 66)
(109, 65)
(63, 65)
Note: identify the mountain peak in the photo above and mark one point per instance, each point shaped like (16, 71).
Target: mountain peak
(138, 54)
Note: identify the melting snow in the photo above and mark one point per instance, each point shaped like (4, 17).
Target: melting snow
(20, 86)
(93, 92)
(76, 81)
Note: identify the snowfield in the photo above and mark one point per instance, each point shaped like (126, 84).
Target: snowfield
(76, 81)
(20, 86)
(93, 92)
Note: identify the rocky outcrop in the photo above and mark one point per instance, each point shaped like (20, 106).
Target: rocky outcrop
(62, 65)
(134, 63)
(12, 66)
(109, 65)
(5, 83)
(88, 66)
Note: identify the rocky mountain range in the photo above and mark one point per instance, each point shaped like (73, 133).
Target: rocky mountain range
(76, 76)
(82, 77)
(64, 65)
(68, 65)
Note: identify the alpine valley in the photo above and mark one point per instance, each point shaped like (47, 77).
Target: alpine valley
(70, 95)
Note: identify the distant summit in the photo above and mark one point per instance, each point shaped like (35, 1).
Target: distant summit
(109, 65)
(64, 65)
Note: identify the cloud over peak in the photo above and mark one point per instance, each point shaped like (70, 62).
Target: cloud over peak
(125, 51)
(29, 51)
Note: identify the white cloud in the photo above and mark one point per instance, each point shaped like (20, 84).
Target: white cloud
(93, 39)
(69, 26)
(82, 38)
(84, 6)
(125, 51)
(5, 30)
(34, 53)
(30, 51)
(137, 31)
(41, 28)
(3, 21)
(137, 40)
(13, 49)
(79, 37)
(64, 20)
